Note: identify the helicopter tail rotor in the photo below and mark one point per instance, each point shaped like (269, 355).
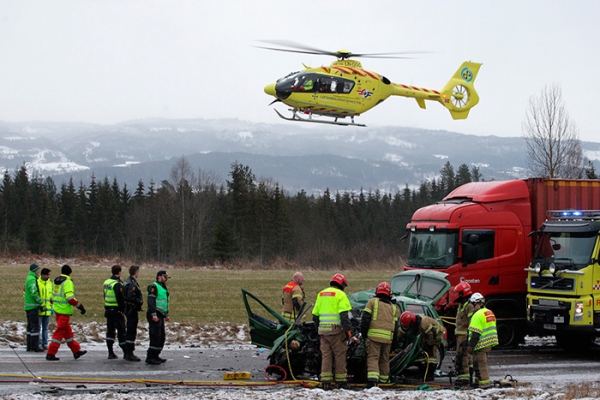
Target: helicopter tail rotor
(459, 94)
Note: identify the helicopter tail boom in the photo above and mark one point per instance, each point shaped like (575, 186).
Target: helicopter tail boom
(458, 96)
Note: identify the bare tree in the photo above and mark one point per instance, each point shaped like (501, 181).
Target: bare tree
(553, 146)
(182, 183)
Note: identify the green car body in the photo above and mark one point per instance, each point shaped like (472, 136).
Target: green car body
(295, 346)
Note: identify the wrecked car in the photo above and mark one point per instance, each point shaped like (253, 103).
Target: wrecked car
(295, 352)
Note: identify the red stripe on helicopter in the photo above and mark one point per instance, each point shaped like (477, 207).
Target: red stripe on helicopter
(371, 74)
(357, 72)
(326, 69)
(345, 71)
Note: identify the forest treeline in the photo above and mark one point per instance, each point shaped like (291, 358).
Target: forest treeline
(192, 218)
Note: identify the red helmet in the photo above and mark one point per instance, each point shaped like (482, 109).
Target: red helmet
(384, 288)
(463, 289)
(407, 318)
(340, 280)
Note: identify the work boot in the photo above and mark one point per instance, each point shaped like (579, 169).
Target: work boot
(162, 360)
(112, 356)
(370, 384)
(79, 354)
(153, 361)
(51, 357)
(461, 382)
(131, 357)
(343, 385)
(326, 386)
(38, 349)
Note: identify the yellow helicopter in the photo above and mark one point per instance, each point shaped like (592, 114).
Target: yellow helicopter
(345, 89)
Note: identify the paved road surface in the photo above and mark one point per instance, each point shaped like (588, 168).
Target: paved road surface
(204, 364)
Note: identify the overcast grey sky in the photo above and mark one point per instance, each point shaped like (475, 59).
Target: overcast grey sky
(115, 60)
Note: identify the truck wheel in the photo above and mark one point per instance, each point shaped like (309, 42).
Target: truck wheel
(506, 334)
(510, 332)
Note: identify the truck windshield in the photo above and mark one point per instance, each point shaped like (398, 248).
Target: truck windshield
(567, 250)
(432, 249)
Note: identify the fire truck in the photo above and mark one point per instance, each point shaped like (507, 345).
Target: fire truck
(563, 279)
(481, 233)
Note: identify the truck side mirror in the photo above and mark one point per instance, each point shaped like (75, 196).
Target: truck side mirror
(469, 254)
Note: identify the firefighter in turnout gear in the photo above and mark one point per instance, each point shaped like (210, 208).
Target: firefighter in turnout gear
(379, 323)
(482, 337)
(32, 303)
(330, 315)
(113, 311)
(464, 361)
(132, 293)
(157, 314)
(63, 301)
(432, 334)
(45, 287)
(292, 297)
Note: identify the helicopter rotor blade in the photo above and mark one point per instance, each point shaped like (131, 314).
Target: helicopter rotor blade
(296, 51)
(297, 47)
(302, 49)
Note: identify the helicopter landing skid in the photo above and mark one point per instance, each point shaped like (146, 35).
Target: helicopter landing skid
(296, 117)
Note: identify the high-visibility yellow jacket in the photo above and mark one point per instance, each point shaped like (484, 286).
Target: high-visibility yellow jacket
(330, 303)
(45, 288)
(63, 295)
(483, 324)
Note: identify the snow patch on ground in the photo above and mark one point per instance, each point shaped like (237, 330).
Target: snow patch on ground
(92, 333)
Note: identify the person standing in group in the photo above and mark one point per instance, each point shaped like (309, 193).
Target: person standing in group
(63, 301)
(330, 315)
(32, 303)
(157, 314)
(378, 324)
(482, 337)
(432, 334)
(45, 287)
(113, 311)
(464, 361)
(132, 293)
(292, 297)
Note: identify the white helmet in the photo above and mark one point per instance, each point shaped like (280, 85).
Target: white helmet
(477, 298)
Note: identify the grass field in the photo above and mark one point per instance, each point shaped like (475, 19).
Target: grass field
(198, 296)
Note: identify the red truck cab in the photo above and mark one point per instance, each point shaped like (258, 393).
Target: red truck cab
(479, 234)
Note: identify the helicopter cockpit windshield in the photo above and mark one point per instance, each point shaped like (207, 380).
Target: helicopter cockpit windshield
(312, 83)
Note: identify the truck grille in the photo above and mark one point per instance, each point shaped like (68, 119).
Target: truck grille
(551, 283)
(546, 314)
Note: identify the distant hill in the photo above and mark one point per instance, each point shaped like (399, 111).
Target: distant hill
(296, 156)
